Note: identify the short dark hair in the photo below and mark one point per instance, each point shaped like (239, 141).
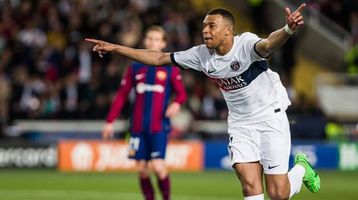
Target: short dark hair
(224, 13)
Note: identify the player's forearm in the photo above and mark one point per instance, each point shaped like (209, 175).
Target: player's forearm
(276, 39)
(113, 113)
(148, 57)
(181, 97)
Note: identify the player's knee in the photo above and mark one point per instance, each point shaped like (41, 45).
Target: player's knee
(277, 194)
(277, 187)
(159, 168)
(143, 170)
(251, 188)
(143, 173)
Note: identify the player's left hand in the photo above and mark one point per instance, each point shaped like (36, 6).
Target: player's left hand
(172, 109)
(295, 20)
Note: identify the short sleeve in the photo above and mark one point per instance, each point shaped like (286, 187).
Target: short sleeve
(187, 59)
(249, 43)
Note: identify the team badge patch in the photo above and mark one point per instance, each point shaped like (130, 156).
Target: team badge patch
(235, 65)
(161, 75)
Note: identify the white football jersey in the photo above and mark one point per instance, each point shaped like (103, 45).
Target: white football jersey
(252, 91)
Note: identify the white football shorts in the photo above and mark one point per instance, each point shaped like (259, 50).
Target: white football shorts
(268, 142)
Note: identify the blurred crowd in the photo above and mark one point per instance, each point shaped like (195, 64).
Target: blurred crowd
(47, 71)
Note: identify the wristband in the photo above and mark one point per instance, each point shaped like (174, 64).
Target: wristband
(288, 30)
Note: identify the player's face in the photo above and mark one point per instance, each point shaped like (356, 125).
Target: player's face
(154, 40)
(214, 30)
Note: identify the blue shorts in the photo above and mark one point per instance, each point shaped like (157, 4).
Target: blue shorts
(147, 146)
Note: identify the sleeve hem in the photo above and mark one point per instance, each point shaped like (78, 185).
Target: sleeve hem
(258, 52)
(172, 59)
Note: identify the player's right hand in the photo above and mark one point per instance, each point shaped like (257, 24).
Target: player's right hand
(101, 46)
(107, 131)
(295, 19)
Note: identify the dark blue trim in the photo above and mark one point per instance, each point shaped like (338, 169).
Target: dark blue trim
(254, 70)
(172, 59)
(258, 52)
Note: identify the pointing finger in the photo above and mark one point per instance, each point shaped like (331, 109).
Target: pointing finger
(288, 11)
(299, 9)
(92, 40)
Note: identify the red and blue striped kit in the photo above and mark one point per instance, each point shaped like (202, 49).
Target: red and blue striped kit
(153, 88)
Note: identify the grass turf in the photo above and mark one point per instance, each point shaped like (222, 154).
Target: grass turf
(208, 185)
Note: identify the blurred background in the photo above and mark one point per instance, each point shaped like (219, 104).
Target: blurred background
(55, 93)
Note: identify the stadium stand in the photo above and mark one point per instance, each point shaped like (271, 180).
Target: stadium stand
(48, 72)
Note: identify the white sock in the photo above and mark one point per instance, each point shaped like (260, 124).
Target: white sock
(256, 197)
(295, 176)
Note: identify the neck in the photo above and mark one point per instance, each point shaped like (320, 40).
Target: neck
(225, 47)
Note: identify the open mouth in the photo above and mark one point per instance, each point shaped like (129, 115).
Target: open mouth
(207, 38)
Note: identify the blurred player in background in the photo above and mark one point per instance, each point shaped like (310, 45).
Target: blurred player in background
(259, 133)
(150, 123)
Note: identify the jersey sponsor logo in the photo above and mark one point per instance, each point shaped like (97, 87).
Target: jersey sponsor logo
(142, 87)
(235, 65)
(232, 83)
(245, 78)
(139, 76)
(161, 75)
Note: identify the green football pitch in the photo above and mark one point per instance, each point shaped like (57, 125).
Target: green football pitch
(208, 185)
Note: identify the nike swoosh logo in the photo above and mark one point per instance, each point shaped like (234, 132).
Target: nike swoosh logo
(271, 167)
(211, 71)
(139, 76)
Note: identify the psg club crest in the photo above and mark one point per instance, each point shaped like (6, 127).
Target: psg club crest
(235, 65)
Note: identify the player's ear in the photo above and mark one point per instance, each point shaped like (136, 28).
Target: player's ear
(229, 30)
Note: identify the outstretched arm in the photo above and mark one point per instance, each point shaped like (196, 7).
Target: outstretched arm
(294, 21)
(148, 57)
